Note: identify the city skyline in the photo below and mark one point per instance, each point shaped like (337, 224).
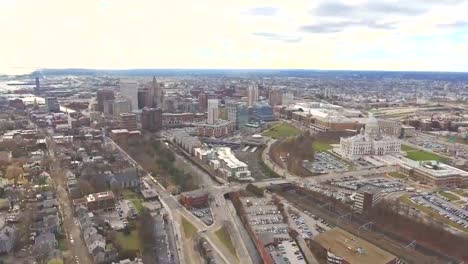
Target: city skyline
(329, 35)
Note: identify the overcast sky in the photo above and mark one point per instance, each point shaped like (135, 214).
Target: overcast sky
(349, 34)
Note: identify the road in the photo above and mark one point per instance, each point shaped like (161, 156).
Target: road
(78, 248)
(220, 214)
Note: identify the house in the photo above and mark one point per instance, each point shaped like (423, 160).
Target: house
(51, 223)
(7, 239)
(73, 188)
(44, 243)
(125, 179)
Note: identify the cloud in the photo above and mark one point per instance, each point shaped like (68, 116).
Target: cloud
(334, 27)
(278, 37)
(455, 25)
(370, 9)
(262, 11)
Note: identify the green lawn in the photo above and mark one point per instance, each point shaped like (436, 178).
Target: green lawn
(281, 131)
(420, 155)
(189, 229)
(398, 175)
(130, 242)
(134, 198)
(321, 146)
(449, 196)
(406, 200)
(461, 192)
(138, 203)
(223, 236)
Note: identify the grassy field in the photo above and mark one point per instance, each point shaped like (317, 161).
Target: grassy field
(398, 175)
(189, 229)
(406, 200)
(461, 192)
(134, 198)
(130, 242)
(282, 130)
(321, 146)
(449, 196)
(419, 155)
(224, 237)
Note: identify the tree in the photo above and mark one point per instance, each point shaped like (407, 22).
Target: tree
(55, 261)
(13, 172)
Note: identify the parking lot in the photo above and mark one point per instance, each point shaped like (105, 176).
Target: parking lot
(443, 207)
(118, 218)
(264, 217)
(308, 224)
(325, 163)
(203, 214)
(387, 185)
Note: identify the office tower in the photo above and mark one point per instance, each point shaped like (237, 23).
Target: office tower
(128, 121)
(275, 97)
(252, 94)
(231, 109)
(142, 94)
(155, 95)
(108, 108)
(287, 98)
(212, 110)
(242, 115)
(52, 104)
(151, 119)
(37, 89)
(328, 92)
(129, 90)
(102, 96)
(121, 106)
(262, 112)
(203, 101)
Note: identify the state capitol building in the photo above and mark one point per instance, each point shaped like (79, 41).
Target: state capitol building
(369, 142)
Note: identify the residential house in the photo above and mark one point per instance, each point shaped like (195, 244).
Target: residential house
(127, 179)
(7, 239)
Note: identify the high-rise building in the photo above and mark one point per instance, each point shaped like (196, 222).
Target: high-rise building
(155, 95)
(203, 101)
(151, 119)
(129, 90)
(142, 95)
(275, 97)
(52, 104)
(121, 106)
(37, 88)
(262, 113)
(287, 98)
(102, 96)
(242, 115)
(231, 109)
(108, 108)
(212, 110)
(252, 94)
(128, 121)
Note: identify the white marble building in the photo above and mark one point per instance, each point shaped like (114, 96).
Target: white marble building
(369, 142)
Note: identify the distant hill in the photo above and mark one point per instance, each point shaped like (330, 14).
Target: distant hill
(448, 76)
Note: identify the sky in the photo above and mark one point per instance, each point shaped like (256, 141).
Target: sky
(422, 35)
